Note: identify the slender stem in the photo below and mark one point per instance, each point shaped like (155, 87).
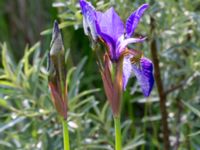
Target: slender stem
(118, 141)
(160, 87)
(65, 135)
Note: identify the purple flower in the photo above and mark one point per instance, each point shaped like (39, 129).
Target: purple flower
(108, 27)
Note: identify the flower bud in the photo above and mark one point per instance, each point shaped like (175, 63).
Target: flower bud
(57, 72)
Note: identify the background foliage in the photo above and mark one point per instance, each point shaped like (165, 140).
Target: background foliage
(27, 117)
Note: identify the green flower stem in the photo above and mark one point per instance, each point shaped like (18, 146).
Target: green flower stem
(65, 135)
(118, 145)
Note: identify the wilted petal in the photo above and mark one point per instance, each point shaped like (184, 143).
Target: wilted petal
(89, 18)
(127, 70)
(133, 20)
(144, 75)
(110, 24)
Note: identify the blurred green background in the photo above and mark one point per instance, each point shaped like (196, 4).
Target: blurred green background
(28, 120)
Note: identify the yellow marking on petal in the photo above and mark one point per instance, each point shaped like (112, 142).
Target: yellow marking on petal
(135, 59)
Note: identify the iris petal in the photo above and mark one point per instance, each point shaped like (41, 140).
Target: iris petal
(133, 20)
(144, 75)
(85, 26)
(123, 44)
(127, 70)
(89, 18)
(110, 24)
(110, 44)
(110, 27)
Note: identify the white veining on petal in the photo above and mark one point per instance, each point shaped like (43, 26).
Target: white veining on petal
(127, 70)
(85, 25)
(123, 44)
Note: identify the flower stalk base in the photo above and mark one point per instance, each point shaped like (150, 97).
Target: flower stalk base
(118, 145)
(65, 135)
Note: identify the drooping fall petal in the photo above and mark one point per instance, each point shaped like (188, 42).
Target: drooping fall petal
(144, 75)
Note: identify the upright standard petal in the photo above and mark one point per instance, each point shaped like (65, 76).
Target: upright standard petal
(110, 24)
(110, 28)
(144, 75)
(133, 20)
(110, 44)
(89, 19)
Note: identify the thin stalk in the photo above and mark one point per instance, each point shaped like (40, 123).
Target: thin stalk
(118, 145)
(160, 87)
(65, 135)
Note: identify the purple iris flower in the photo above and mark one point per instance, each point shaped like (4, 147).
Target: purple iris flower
(109, 27)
